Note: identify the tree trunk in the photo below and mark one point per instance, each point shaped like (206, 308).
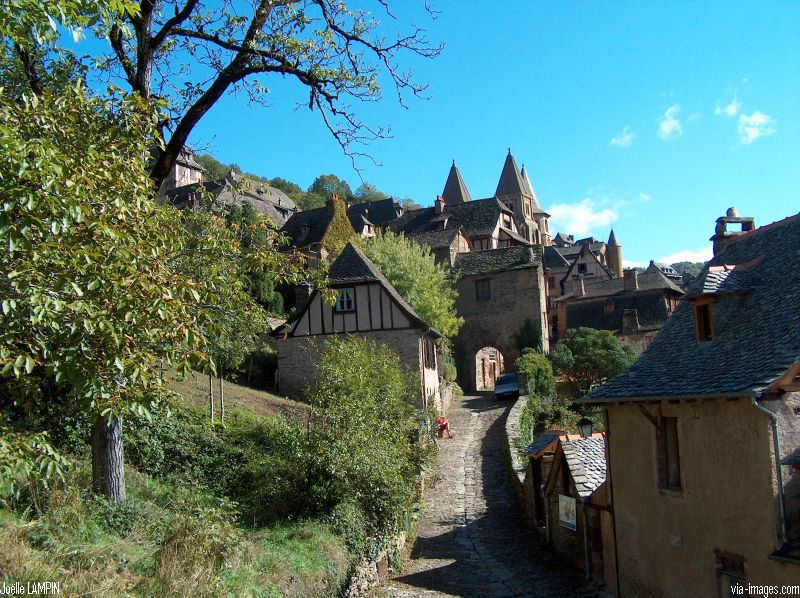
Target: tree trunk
(221, 398)
(108, 472)
(211, 396)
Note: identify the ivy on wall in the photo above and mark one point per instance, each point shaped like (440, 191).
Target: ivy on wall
(339, 232)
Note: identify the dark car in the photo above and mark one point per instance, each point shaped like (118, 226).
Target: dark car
(507, 387)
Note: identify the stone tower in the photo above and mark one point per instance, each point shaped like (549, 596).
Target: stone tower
(455, 191)
(515, 191)
(614, 255)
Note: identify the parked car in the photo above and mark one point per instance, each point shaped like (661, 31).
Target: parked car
(507, 387)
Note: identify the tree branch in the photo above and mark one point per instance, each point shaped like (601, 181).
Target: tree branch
(180, 17)
(29, 67)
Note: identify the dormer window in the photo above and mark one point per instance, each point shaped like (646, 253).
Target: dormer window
(345, 300)
(702, 320)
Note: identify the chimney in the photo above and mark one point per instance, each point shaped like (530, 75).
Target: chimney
(630, 320)
(721, 233)
(439, 206)
(578, 287)
(631, 280)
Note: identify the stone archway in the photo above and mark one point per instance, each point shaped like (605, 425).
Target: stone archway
(489, 364)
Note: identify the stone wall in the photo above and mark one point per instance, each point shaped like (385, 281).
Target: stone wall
(515, 296)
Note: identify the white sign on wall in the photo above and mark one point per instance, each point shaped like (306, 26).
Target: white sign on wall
(566, 511)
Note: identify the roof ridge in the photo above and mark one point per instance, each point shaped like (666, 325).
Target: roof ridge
(766, 227)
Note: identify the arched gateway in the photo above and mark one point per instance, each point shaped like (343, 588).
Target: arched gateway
(499, 290)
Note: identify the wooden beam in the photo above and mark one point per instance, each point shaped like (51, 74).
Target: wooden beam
(653, 420)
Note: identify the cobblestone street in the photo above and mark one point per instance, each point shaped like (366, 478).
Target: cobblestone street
(472, 540)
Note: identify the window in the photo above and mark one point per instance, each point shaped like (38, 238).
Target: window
(483, 290)
(731, 573)
(429, 354)
(669, 465)
(507, 221)
(702, 319)
(608, 306)
(345, 300)
(582, 268)
(551, 281)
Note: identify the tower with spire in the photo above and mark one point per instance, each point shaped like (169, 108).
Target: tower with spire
(614, 254)
(514, 189)
(455, 191)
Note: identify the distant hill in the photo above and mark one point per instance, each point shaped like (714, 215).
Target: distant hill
(690, 270)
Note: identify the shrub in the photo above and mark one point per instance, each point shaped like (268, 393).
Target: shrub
(538, 372)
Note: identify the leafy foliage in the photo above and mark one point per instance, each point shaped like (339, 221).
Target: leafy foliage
(586, 356)
(538, 372)
(529, 336)
(361, 432)
(412, 270)
(339, 232)
(28, 465)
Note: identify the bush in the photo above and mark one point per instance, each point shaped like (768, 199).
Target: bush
(539, 373)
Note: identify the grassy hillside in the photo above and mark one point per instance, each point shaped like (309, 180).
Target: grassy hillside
(194, 390)
(184, 530)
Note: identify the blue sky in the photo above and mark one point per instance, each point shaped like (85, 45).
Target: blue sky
(651, 116)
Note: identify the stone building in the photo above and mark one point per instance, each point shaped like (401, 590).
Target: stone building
(634, 307)
(235, 190)
(186, 171)
(366, 305)
(702, 429)
(498, 291)
(577, 514)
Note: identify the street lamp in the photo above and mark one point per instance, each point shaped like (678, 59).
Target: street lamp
(585, 427)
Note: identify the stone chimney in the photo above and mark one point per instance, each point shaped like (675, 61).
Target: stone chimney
(578, 287)
(630, 319)
(631, 280)
(439, 205)
(721, 233)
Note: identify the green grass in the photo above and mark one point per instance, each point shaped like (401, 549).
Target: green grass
(240, 401)
(94, 549)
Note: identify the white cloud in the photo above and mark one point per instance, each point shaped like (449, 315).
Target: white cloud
(669, 126)
(629, 264)
(623, 139)
(582, 217)
(754, 126)
(687, 255)
(732, 108)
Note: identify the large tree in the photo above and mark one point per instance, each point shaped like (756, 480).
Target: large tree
(411, 268)
(586, 356)
(190, 53)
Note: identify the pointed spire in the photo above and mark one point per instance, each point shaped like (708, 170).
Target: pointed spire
(529, 189)
(455, 191)
(612, 239)
(511, 182)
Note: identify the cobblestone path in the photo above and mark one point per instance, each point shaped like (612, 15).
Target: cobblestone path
(472, 540)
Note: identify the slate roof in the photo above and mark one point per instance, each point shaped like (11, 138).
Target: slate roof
(510, 182)
(537, 209)
(518, 257)
(541, 443)
(573, 250)
(377, 212)
(455, 191)
(554, 260)
(436, 239)
(352, 266)
(478, 218)
(756, 335)
(561, 240)
(649, 281)
(612, 240)
(727, 280)
(308, 227)
(266, 200)
(586, 460)
(651, 310)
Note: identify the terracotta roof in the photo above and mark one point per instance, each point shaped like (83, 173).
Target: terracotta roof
(455, 191)
(497, 260)
(756, 333)
(586, 460)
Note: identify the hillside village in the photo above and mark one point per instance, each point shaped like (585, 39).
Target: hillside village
(217, 383)
(510, 271)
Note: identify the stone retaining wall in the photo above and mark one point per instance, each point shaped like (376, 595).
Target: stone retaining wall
(517, 468)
